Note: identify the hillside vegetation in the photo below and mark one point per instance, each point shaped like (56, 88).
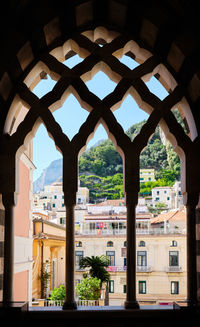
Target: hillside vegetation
(101, 167)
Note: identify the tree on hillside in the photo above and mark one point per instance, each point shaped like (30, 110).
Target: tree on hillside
(102, 160)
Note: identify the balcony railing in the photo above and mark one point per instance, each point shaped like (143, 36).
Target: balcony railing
(88, 303)
(139, 231)
(116, 268)
(59, 303)
(101, 232)
(173, 269)
(123, 268)
(144, 269)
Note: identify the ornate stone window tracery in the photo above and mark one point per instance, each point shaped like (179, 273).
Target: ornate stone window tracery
(72, 81)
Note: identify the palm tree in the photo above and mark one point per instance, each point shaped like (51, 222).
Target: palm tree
(98, 265)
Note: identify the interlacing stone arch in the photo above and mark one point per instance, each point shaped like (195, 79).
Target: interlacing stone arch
(72, 81)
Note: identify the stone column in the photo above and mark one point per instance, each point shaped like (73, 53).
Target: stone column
(8, 202)
(131, 302)
(192, 201)
(69, 259)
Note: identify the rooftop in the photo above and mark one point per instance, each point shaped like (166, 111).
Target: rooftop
(173, 215)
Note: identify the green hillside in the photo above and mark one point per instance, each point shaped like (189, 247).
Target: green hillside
(101, 167)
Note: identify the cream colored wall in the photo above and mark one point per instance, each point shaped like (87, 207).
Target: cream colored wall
(158, 281)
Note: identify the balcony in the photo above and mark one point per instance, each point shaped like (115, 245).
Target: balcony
(102, 232)
(123, 268)
(139, 231)
(116, 268)
(173, 269)
(144, 269)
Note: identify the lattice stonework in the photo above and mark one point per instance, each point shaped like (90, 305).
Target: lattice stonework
(73, 80)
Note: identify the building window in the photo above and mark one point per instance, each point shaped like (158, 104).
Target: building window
(109, 244)
(174, 243)
(157, 199)
(78, 257)
(142, 287)
(55, 196)
(53, 205)
(63, 204)
(157, 192)
(62, 221)
(173, 258)
(141, 243)
(174, 287)
(124, 288)
(124, 262)
(125, 243)
(111, 256)
(79, 244)
(111, 286)
(168, 198)
(141, 258)
(123, 254)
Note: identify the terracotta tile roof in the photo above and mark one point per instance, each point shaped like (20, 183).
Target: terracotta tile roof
(174, 215)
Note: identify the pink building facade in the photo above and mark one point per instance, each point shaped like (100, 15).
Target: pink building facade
(23, 232)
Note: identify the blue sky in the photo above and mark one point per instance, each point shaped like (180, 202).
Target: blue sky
(71, 116)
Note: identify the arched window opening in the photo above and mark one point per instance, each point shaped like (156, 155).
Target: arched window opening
(79, 244)
(98, 200)
(49, 217)
(174, 243)
(142, 243)
(101, 173)
(161, 216)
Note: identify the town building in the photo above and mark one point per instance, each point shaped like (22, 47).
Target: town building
(23, 230)
(147, 175)
(52, 198)
(161, 263)
(160, 250)
(48, 256)
(170, 196)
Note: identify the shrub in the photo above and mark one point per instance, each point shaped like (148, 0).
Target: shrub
(58, 293)
(89, 288)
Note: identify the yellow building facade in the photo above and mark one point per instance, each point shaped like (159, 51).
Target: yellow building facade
(48, 256)
(147, 175)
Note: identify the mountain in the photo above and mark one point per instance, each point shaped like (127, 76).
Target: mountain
(49, 175)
